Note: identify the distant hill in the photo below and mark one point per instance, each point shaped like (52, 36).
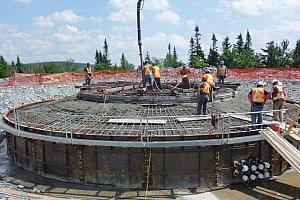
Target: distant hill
(58, 63)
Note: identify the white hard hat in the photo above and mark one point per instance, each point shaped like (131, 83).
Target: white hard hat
(260, 83)
(279, 83)
(274, 81)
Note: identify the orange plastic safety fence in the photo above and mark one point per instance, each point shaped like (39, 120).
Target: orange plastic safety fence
(134, 75)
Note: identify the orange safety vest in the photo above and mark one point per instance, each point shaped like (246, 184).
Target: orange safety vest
(210, 78)
(147, 70)
(222, 70)
(258, 95)
(205, 88)
(280, 93)
(156, 72)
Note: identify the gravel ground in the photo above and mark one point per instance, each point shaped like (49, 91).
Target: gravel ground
(13, 96)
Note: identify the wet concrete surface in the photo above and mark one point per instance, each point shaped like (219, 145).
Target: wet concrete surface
(17, 183)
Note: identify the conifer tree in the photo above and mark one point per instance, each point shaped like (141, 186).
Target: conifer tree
(198, 49)
(296, 54)
(97, 57)
(248, 43)
(240, 43)
(271, 55)
(13, 66)
(192, 52)
(105, 55)
(4, 70)
(213, 56)
(123, 62)
(175, 54)
(19, 65)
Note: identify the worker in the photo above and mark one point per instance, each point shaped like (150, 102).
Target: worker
(147, 71)
(185, 77)
(203, 96)
(222, 72)
(156, 74)
(210, 81)
(279, 97)
(257, 96)
(88, 74)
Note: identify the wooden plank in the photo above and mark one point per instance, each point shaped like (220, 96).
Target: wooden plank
(186, 119)
(283, 147)
(242, 117)
(137, 121)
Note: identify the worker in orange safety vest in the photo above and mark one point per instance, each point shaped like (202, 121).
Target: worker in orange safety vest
(156, 74)
(279, 97)
(222, 72)
(147, 71)
(210, 81)
(257, 97)
(203, 96)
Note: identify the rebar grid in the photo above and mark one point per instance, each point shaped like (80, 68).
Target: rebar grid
(45, 116)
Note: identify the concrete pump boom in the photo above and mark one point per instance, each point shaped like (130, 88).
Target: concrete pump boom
(139, 31)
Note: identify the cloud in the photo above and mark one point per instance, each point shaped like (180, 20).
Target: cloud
(68, 33)
(96, 19)
(288, 26)
(43, 22)
(125, 11)
(157, 5)
(157, 44)
(258, 7)
(66, 16)
(24, 1)
(168, 16)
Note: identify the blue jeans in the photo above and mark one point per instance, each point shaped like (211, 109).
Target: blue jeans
(88, 80)
(202, 104)
(148, 79)
(256, 118)
(221, 79)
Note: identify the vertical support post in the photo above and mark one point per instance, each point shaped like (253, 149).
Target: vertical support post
(67, 161)
(33, 149)
(80, 163)
(229, 125)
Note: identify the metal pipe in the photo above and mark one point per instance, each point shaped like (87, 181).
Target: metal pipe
(139, 32)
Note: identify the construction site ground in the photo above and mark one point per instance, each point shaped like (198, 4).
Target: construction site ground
(19, 184)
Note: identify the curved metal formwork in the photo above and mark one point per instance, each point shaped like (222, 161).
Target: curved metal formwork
(131, 146)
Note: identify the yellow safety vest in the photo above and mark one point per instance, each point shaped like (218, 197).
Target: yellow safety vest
(258, 95)
(88, 70)
(210, 78)
(280, 93)
(156, 72)
(222, 70)
(205, 88)
(147, 70)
